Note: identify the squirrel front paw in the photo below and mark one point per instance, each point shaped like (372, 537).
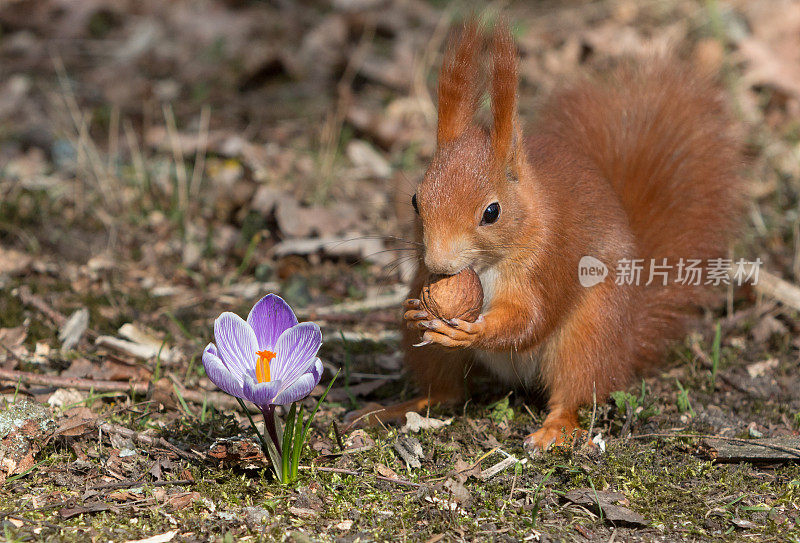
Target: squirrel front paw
(448, 333)
(415, 313)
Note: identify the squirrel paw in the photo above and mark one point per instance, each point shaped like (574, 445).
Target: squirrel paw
(452, 333)
(555, 435)
(415, 314)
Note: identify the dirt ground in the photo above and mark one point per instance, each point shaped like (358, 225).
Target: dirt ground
(162, 162)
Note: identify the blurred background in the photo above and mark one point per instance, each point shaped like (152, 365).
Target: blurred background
(151, 151)
(163, 161)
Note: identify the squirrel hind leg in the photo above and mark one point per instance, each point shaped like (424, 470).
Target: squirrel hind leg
(589, 359)
(374, 414)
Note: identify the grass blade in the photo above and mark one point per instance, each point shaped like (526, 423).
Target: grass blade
(316, 408)
(288, 434)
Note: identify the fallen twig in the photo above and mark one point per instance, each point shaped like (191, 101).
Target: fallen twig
(30, 378)
(130, 484)
(137, 387)
(391, 300)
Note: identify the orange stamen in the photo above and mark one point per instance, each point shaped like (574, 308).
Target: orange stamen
(262, 365)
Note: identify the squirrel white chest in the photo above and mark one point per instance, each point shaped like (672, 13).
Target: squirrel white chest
(513, 368)
(516, 369)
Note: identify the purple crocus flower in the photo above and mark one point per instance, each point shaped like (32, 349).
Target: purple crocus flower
(269, 359)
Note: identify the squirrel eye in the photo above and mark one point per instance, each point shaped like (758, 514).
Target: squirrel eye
(491, 213)
(414, 203)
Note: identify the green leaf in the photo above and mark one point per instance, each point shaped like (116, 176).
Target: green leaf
(684, 404)
(501, 411)
(622, 399)
(286, 449)
(297, 448)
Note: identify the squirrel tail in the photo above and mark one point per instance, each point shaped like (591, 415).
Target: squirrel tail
(661, 135)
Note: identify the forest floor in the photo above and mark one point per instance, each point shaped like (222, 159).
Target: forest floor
(162, 162)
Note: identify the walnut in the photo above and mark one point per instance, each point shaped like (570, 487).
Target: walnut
(457, 296)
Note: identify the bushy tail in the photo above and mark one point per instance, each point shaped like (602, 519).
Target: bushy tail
(661, 136)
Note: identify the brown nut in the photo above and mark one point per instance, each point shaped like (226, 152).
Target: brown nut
(457, 296)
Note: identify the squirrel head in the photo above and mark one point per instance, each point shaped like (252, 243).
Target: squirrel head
(469, 202)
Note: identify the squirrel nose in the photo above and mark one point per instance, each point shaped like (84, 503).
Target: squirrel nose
(443, 266)
(443, 254)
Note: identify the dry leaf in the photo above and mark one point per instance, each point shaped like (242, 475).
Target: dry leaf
(160, 538)
(759, 369)
(303, 512)
(358, 439)
(65, 397)
(77, 421)
(458, 491)
(416, 422)
(607, 502)
(72, 330)
(139, 344)
(13, 262)
(368, 160)
(464, 470)
(182, 500)
(345, 525)
(385, 471)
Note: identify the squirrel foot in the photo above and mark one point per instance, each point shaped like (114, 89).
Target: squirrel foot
(558, 430)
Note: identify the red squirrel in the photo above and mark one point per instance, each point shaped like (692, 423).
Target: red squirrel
(640, 164)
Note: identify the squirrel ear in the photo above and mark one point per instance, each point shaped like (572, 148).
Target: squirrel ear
(458, 84)
(506, 133)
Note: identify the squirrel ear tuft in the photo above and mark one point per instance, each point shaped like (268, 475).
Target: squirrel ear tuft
(506, 134)
(458, 84)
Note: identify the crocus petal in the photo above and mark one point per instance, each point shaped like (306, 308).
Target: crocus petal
(261, 394)
(296, 350)
(219, 374)
(211, 350)
(316, 369)
(269, 318)
(237, 344)
(298, 390)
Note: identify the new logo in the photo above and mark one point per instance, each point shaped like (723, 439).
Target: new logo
(591, 271)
